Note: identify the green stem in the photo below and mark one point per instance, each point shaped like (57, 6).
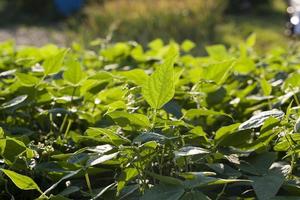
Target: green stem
(63, 123)
(68, 128)
(88, 182)
(154, 118)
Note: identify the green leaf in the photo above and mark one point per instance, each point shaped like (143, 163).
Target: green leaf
(218, 72)
(190, 151)
(150, 136)
(137, 76)
(159, 89)
(187, 45)
(225, 131)
(74, 74)
(259, 119)
(192, 113)
(127, 174)
(27, 80)
(251, 40)
(133, 118)
(162, 191)
(267, 186)
(217, 52)
(53, 64)
(21, 181)
(14, 102)
(266, 87)
(107, 135)
(194, 195)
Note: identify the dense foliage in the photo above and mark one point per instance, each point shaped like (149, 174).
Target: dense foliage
(123, 122)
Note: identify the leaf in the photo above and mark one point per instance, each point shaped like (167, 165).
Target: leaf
(187, 45)
(250, 41)
(95, 160)
(53, 64)
(69, 175)
(162, 191)
(266, 87)
(108, 134)
(137, 76)
(297, 126)
(218, 72)
(267, 186)
(225, 130)
(21, 181)
(150, 136)
(217, 52)
(165, 179)
(27, 80)
(160, 86)
(14, 102)
(127, 174)
(134, 118)
(74, 74)
(258, 120)
(194, 195)
(190, 151)
(192, 113)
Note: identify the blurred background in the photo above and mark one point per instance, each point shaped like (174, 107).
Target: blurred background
(37, 22)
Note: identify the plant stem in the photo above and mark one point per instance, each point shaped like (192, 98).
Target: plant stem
(63, 123)
(88, 183)
(68, 128)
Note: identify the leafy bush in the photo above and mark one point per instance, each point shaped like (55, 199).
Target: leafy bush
(123, 122)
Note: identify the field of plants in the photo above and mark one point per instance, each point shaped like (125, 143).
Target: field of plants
(119, 121)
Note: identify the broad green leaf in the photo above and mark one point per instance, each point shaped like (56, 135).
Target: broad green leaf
(21, 181)
(225, 130)
(166, 179)
(53, 65)
(120, 118)
(150, 136)
(190, 151)
(69, 175)
(187, 45)
(27, 80)
(192, 113)
(74, 74)
(137, 76)
(218, 72)
(159, 89)
(126, 175)
(217, 52)
(267, 186)
(162, 191)
(16, 101)
(98, 159)
(194, 195)
(258, 120)
(107, 135)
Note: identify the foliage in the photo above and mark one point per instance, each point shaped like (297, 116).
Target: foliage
(126, 122)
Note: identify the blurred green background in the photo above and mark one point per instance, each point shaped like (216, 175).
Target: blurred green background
(202, 21)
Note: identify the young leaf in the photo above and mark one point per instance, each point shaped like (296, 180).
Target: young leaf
(53, 64)
(160, 86)
(266, 87)
(21, 181)
(27, 80)
(74, 74)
